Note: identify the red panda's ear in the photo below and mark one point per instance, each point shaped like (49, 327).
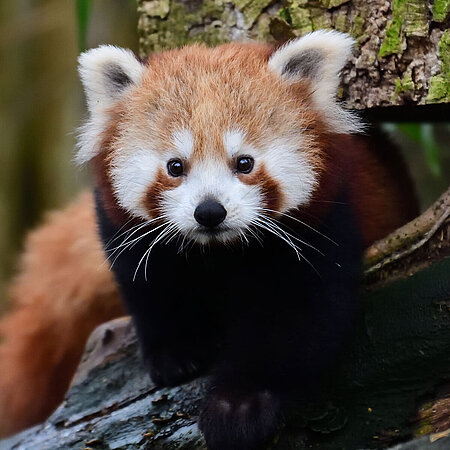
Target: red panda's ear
(106, 72)
(319, 57)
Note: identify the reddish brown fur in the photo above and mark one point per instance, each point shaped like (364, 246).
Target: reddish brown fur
(384, 201)
(161, 184)
(64, 290)
(271, 192)
(101, 169)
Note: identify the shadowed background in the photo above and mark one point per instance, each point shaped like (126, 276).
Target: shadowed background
(41, 104)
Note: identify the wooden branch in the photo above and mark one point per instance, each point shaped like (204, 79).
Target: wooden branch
(402, 56)
(412, 247)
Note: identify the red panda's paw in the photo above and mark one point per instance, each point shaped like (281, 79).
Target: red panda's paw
(175, 366)
(240, 421)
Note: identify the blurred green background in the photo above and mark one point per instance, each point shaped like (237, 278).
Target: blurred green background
(41, 105)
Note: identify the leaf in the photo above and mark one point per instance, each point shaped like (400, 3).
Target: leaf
(423, 135)
(83, 12)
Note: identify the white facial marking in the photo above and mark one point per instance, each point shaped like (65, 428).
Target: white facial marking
(289, 166)
(133, 171)
(183, 142)
(209, 178)
(232, 140)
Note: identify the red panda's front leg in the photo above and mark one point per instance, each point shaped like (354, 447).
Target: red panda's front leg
(291, 328)
(174, 320)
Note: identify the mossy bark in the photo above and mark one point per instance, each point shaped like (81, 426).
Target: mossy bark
(401, 56)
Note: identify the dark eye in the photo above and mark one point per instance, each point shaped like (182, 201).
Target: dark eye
(175, 167)
(244, 164)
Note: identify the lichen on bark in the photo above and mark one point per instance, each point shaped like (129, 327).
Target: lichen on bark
(393, 42)
(184, 23)
(440, 84)
(400, 57)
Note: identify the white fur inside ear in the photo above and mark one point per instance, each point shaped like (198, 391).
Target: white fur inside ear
(319, 57)
(106, 72)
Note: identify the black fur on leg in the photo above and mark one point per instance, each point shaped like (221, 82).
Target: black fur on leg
(267, 321)
(232, 420)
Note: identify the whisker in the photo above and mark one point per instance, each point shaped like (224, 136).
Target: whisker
(138, 229)
(115, 237)
(130, 233)
(301, 222)
(167, 232)
(271, 219)
(289, 242)
(254, 233)
(265, 226)
(130, 244)
(147, 252)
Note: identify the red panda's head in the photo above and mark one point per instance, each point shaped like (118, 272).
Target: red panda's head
(211, 140)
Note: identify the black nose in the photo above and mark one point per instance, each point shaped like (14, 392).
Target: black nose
(210, 213)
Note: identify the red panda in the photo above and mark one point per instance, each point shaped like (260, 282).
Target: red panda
(233, 203)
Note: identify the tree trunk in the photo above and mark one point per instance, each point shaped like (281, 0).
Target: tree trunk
(402, 55)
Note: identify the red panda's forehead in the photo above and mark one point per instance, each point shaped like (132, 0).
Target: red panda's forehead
(211, 91)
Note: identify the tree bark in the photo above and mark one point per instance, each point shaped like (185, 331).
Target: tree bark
(412, 247)
(401, 57)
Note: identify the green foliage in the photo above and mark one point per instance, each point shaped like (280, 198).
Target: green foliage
(83, 12)
(423, 135)
(441, 8)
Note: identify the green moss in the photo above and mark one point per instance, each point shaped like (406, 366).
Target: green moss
(341, 22)
(251, 9)
(319, 19)
(155, 8)
(441, 8)
(416, 18)
(444, 53)
(404, 85)
(263, 27)
(285, 15)
(410, 18)
(393, 41)
(300, 17)
(358, 26)
(439, 91)
(179, 26)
